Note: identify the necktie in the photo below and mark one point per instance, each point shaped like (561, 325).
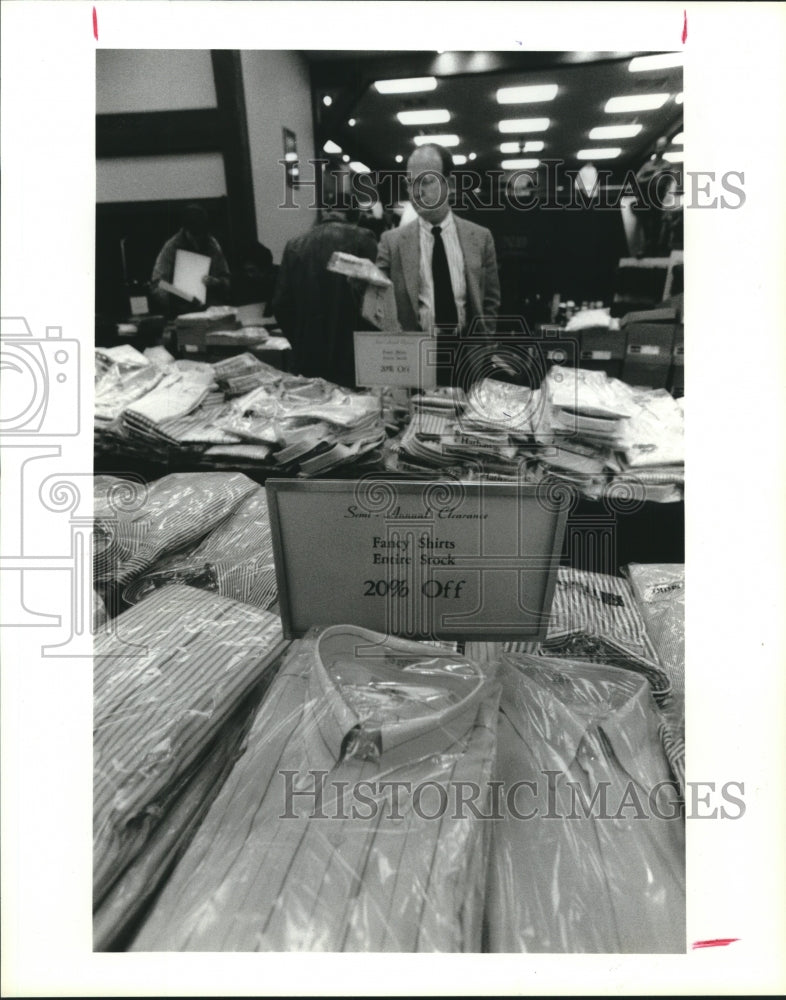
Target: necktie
(445, 313)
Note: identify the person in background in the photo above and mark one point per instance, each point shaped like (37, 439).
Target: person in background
(443, 268)
(194, 235)
(318, 311)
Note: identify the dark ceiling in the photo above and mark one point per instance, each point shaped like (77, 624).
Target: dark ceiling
(467, 83)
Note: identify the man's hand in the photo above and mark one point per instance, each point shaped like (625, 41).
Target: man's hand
(210, 281)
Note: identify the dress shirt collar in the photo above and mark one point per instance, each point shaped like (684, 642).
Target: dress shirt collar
(562, 700)
(390, 740)
(447, 223)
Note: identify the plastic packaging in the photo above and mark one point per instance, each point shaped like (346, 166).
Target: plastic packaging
(136, 525)
(588, 852)
(338, 829)
(234, 560)
(167, 675)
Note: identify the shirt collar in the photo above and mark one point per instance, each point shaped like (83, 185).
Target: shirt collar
(553, 704)
(390, 741)
(447, 223)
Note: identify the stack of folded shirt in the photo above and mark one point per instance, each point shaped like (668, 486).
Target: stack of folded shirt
(240, 374)
(170, 675)
(595, 618)
(600, 866)
(234, 560)
(659, 592)
(310, 845)
(652, 445)
(123, 375)
(212, 318)
(177, 395)
(312, 424)
(135, 526)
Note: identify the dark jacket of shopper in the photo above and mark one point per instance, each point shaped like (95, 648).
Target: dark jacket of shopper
(317, 309)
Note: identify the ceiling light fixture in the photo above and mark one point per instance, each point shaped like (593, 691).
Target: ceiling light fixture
(352, 122)
(664, 60)
(358, 167)
(459, 159)
(527, 95)
(331, 147)
(530, 146)
(440, 140)
(636, 102)
(473, 156)
(433, 116)
(601, 153)
(327, 100)
(523, 125)
(345, 158)
(614, 131)
(520, 164)
(674, 156)
(399, 158)
(411, 85)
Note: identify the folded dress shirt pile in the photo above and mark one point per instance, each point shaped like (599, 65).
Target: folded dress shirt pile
(234, 560)
(580, 428)
(589, 855)
(331, 832)
(659, 592)
(172, 681)
(136, 525)
(238, 413)
(310, 425)
(595, 618)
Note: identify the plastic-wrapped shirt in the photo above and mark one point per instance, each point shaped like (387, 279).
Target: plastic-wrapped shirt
(589, 853)
(314, 843)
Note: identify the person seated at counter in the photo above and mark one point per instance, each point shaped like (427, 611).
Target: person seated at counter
(194, 235)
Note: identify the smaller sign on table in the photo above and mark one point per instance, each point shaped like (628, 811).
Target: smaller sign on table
(401, 359)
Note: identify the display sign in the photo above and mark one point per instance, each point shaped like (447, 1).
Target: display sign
(407, 360)
(430, 559)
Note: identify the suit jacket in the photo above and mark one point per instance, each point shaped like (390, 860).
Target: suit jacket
(399, 259)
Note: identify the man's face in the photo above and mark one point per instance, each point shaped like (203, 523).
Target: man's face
(429, 189)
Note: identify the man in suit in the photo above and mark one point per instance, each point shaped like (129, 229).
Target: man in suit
(443, 268)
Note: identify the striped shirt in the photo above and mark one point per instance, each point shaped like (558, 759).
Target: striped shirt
(167, 674)
(359, 708)
(458, 278)
(590, 877)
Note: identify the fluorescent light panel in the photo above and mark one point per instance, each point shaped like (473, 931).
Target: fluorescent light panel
(601, 153)
(527, 95)
(433, 116)
(440, 140)
(410, 85)
(358, 167)
(459, 159)
(332, 147)
(523, 125)
(636, 102)
(674, 156)
(664, 60)
(530, 146)
(520, 164)
(614, 131)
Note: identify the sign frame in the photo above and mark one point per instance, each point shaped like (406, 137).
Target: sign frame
(414, 348)
(345, 490)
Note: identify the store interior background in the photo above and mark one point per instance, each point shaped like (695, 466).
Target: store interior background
(175, 126)
(178, 126)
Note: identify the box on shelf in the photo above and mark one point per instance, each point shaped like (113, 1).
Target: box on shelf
(602, 344)
(640, 372)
